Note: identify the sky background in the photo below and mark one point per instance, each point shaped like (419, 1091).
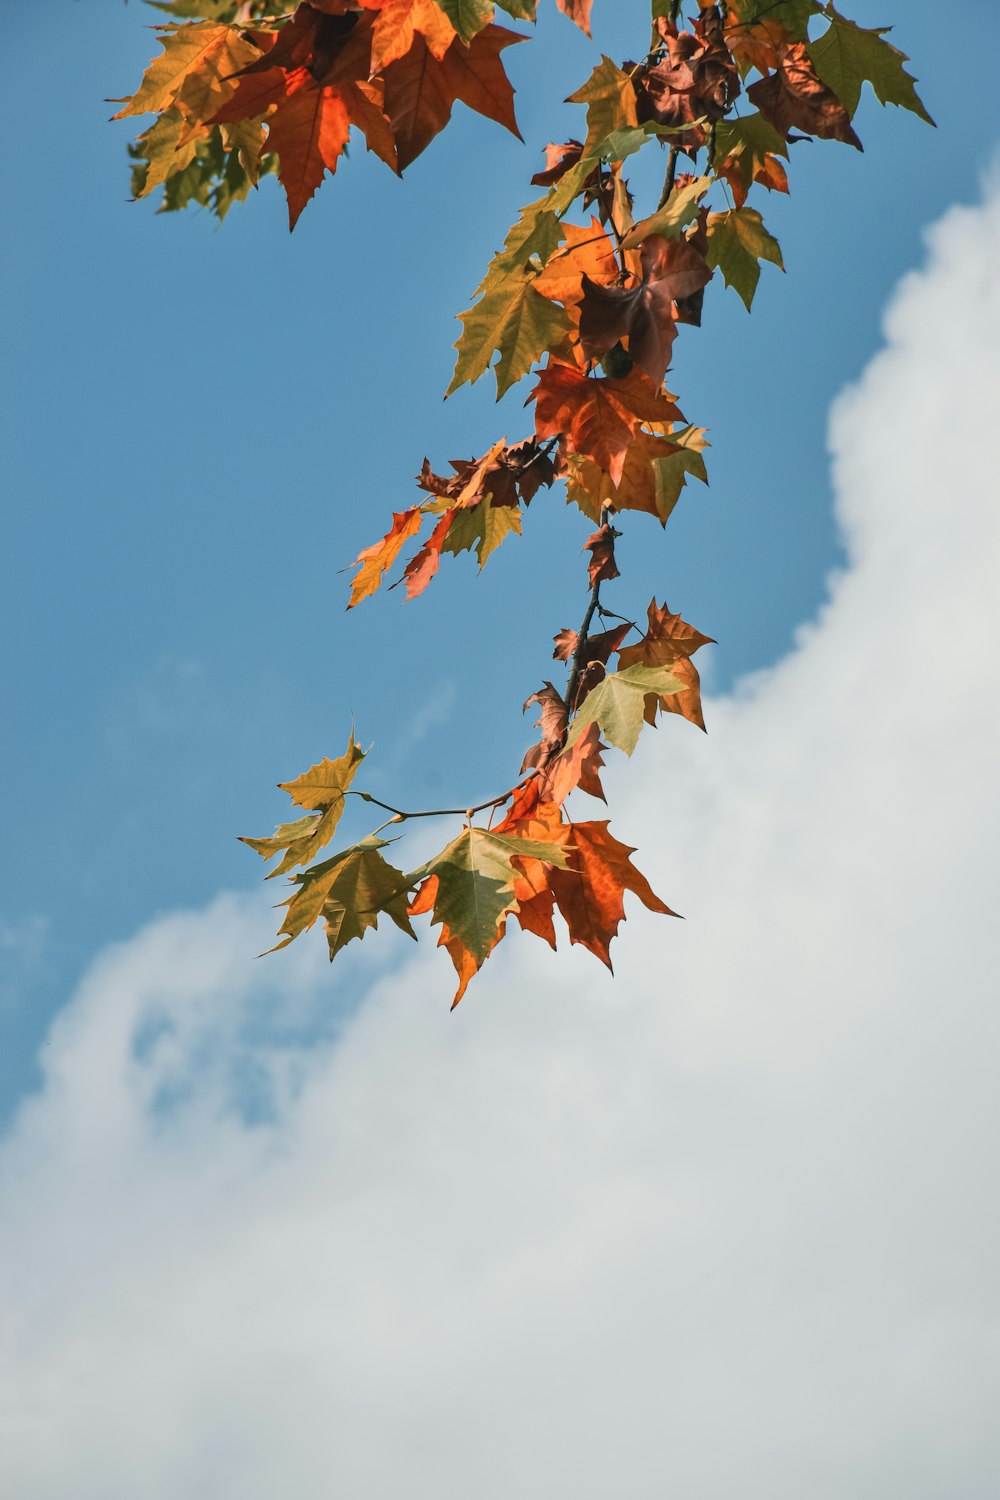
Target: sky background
(203, 425)
(721, 1224)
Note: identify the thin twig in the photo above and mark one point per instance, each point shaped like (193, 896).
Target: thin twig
(398, 816)
(577, 663)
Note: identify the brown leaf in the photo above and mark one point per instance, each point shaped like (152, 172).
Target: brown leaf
(601, 546)
(578, 11)
(558, 160)
(420, 89)
(644, 314)
(696, 79)
(552, 719)
(794, 98)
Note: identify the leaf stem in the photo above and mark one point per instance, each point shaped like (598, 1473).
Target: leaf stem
(668, 181)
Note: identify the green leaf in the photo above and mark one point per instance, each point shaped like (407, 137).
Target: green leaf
(737, 242)
(847, 55)
(610, 100)
(535, 235)
(617, 146)
(747, 143)
(476, 883)
(510, 318)
(680, 209)
(158, 148)
(791, 15)
(349, 891)
(322, 789)
(521, 10)
(467, 16)
(670, 473)
(483, 526)
(618, 704)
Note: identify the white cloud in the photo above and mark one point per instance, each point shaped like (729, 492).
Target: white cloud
(722, 1228)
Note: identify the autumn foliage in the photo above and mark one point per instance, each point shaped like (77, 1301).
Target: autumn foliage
(585, 298)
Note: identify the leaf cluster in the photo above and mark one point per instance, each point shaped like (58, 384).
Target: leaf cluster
(586, 296)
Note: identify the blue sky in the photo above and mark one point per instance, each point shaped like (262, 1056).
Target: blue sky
(204, 425)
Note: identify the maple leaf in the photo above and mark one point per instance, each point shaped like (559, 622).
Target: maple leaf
(482, 527)
(322, 788)
(577, 766)
(587, 252)
(589, 894)
(421, 568)
(398, 21)
(655, 471)
(610, 100)
(601, 546)
(847, 56)
(161, 148)
(680, 209)
(578, 11)
(669, 641)
(595, 647)
(598, 417)
(552, 721)
(794, 98)
(737, 243)
(350, 891)
(513, 320)
(747, 150)
(694, 79)
(789, 16)
(191, 70)
(558, 160)
(510, 317)
(521, 10)
(473, 890)
(622, 701)
(309, 132)
(468, 17)
(644, 314)
(588, 890)
(377, 559)
(420, 89)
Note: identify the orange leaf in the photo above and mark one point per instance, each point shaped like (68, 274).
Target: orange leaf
(308, 130)
(378, 558)
(670, 641)
(579, 766)
(396, 24)
(590, 893)
(587, 252)
(597, 417)
(421, 569)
